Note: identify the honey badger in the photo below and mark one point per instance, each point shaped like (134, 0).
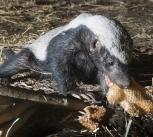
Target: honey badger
(88, 47)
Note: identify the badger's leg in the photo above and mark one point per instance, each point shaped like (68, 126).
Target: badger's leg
(63, 76)
(66, 84)
(15, 63)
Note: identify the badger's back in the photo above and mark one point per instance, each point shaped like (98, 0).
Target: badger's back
(110, 33)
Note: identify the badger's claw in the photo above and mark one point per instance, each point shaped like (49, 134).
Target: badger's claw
(76, 96)
(92, 97)
(89, 97)
(86, 97)
(82, 112)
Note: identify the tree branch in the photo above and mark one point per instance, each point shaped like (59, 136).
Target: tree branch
(35, 96)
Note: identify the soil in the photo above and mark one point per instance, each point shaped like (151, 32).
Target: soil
(22, 21)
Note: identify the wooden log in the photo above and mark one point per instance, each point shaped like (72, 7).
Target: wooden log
(49, 99)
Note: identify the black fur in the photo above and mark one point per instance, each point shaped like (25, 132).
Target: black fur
(69, 60)
(73, 55)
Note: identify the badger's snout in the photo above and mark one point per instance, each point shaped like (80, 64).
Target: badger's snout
(119, 75)
(122, 81)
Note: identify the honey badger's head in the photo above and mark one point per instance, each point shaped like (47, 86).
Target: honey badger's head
(110, 48)
(111, 67)
(112, 52)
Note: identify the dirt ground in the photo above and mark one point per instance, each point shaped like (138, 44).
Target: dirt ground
(22, 21)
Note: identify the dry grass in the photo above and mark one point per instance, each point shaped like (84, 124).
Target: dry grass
(21, 21)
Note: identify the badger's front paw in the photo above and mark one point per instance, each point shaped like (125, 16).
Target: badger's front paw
(86, 97)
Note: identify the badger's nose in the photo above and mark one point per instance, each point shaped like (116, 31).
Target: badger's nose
(125, 83)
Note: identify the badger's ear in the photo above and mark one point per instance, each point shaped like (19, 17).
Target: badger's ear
(95, 46)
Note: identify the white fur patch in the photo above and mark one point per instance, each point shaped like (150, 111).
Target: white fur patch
(106, 30)
(39, 46)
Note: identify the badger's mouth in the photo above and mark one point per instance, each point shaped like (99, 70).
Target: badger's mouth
(108, 81)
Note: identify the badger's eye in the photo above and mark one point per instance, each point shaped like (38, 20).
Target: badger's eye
(94, 45)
